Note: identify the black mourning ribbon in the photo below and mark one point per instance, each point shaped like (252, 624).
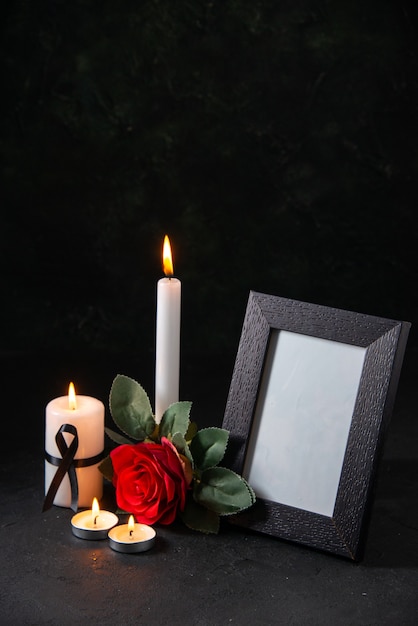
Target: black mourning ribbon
(66, 465)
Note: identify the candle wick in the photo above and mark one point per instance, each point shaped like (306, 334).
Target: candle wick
(131, 532)
(95, 519)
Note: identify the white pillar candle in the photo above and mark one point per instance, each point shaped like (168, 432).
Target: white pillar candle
(88, 419)
(167, 364)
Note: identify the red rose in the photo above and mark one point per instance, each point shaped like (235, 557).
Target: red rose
(150, 481)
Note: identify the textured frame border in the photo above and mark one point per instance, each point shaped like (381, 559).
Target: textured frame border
(385, 341)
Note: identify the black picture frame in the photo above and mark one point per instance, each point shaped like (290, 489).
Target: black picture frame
(383, 342)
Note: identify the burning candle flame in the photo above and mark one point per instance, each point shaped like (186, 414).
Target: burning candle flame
(167, 258)
(131, 525)
(72, 400)
(95, 511)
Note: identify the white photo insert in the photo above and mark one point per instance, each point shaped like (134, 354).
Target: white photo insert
(302, 420)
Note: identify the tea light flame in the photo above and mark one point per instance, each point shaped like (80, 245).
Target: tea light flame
(72, 400)
(131, 525)
(167, 258)
(95, 511)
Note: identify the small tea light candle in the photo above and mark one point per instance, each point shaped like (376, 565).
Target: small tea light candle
(93, 524)
(131, 537)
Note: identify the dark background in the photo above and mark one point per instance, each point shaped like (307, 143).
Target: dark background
(274, 141)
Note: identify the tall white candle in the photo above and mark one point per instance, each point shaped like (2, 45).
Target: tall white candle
(167, 363)
(87, 415)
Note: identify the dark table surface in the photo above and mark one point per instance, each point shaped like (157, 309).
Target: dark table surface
(48, 576)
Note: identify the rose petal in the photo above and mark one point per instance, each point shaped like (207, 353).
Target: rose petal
(150, 481)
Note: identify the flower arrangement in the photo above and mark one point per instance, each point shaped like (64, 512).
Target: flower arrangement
(171, 469)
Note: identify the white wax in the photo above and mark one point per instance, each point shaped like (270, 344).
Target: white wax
(105, 520)
(141, 539)
(88, 418)
(140, 532)
(167, 364)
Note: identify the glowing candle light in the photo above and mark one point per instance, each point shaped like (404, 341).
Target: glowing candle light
(94, 523)
(167, 365)
(81, 416)
(131, 537)
(95, 511)
(72, 398)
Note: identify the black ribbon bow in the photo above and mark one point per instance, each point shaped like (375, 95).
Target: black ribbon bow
(67, 465)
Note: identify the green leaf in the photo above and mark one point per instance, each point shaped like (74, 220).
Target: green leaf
(208, 447)
(116, 437)
(223, 491)
(199, 518)
(250, 490)
(175, 419)
(130, 408)
(106, 468)
(181, 446)
(191, 432)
